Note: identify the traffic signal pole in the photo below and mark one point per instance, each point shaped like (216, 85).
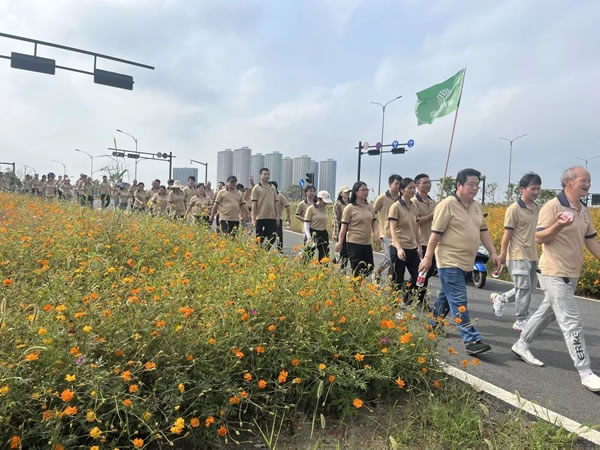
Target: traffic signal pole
(372, 150)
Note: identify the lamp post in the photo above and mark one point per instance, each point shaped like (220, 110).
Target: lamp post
(382, 127)
(205, 164)
(588, 160)
(91, 160)
(136, 150)
(510, 159)
(62, 164)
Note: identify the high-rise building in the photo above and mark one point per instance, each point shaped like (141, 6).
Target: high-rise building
(258, 162)
(287, 173)
(224, 165)
(273, 163)
(242, 158)
(182, 173)
(302, 166)
(327, 174)
(316, 175)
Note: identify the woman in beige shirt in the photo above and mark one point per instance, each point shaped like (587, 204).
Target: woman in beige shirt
(199, 205)
(359, 226)
(405, 251)
(315, 227)
(176, 201)
(159, 202)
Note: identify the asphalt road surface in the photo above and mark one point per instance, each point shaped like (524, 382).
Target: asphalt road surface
(555, 386)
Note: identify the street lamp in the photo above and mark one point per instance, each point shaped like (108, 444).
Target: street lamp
(588, 160)
(62, 164)
(382, 127)
(205, 164)
(510, 158)
(136, 150)
(91, 160)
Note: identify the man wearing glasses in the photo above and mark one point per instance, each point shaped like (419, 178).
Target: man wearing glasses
(458, 227)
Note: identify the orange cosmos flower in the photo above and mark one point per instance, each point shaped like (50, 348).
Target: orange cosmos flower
(7, 282)
(209, 421)
(133, 388)
(331, 378)
(400, 382)
(222, 431)
(262, 384)
(260, 349)
(15, 441)
(67, 395)
(235, 400)
(70, 410)
(194, 422)
(283, 376)
(138, 443)
(126, 375)
(248, 376)
(33, 356)
(295, 362)
(271, 328)
(462, 308)
(128, 403)
(405, 338)
(150, 365)
(475, 361)
(465, 362)
(359, 357)
(357, 403)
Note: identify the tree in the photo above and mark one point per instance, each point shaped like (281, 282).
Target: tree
(448, 187)
(512, 192)
(293, 192)
(490, 192)
(545, 195)
(115, 170)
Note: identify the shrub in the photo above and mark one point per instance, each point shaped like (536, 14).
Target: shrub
(129, 330)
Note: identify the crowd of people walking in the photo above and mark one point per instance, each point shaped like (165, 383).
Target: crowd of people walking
(418, 236)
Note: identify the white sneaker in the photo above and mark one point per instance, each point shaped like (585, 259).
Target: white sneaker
(591, 382)
(519, 325)
(523, 352)
(497, 304)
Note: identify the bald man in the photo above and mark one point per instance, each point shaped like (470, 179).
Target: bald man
(564, 228)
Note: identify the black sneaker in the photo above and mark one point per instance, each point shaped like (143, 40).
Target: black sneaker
(475, 348)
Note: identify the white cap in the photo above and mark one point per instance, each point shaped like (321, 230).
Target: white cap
(324, 195)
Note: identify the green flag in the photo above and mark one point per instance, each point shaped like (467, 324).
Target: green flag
(440, 99)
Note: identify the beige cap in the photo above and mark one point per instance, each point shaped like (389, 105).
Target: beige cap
(344, 189)
(324, 195)
(177, 185)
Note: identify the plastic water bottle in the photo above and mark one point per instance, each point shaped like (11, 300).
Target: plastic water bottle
(421, 279)
(496, 273)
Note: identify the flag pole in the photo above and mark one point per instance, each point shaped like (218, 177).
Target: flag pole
(452, 135)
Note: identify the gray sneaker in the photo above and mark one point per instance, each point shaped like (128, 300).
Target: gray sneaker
(523, 352)
(497, 304)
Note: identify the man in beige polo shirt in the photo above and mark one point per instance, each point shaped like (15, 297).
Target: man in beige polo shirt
(425, 205)
(229, 203)
(264, 215)
(458, 227)
(564, 229)
(519, 251)
(382, 206)
(282, 204)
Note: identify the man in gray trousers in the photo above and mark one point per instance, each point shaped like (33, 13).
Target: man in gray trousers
(564, 227)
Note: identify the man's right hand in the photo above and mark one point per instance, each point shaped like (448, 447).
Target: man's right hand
(338, 247)
(563, 221)
(425, 264)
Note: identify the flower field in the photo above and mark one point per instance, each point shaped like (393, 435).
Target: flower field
(128, 331)
(589, 282)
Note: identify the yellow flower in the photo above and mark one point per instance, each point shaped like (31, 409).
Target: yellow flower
(4, 390)
(70, 378)
(95, 432)
(90, 416)
(181, 387)
(42, 331)
(87, 329)
(322, 366)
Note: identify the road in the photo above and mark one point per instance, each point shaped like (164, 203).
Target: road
(555, 386)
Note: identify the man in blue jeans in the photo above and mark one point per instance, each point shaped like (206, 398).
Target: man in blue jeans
(458, 227)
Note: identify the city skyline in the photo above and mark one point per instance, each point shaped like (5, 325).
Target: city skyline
(285, 170)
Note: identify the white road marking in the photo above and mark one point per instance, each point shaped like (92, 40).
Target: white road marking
(519, 402)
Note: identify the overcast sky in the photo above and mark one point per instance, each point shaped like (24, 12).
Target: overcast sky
(298, 76)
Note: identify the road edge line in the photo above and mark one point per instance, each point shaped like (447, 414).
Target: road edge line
(528, 406)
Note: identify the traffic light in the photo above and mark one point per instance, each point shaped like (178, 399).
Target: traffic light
(119, 154)
(310, 177)
(373, 152)
(399, 150)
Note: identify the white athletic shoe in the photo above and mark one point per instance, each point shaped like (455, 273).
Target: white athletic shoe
(591, 382)
(519, 325)
(497, 304)
(523, 352)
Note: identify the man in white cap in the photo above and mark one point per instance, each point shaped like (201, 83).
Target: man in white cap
(564, 229)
